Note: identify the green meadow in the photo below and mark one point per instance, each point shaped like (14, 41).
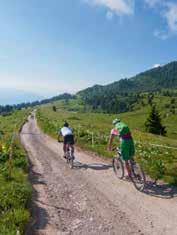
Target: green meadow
(157, 154)
(15, 190)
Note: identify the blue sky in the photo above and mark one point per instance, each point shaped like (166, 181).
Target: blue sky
(49, 47)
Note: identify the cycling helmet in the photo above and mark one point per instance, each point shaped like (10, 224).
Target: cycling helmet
(66, 124)
(115, 121)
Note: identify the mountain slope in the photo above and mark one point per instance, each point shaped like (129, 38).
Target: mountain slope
(153, 79)
(121, 95)
(116, 97)
(157, 78)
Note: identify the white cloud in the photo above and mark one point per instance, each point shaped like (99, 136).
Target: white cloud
(119, 7)
(167, 9)
(171, 16)
(153, 3)
(43, 86)
(169, 13)
(109, 15)
(163, 35)
(156, 66)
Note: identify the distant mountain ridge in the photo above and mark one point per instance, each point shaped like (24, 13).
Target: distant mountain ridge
(9, 108)
(120, 96)
(13, 96)
(150, 80)
(116, 97)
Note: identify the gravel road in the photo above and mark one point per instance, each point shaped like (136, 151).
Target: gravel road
(89, 199)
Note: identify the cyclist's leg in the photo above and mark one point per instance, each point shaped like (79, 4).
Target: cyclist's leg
(125, 146)
(65, 146)
(72, 144)
(64, 149)
(127, 166)
(132, 149)
(72, 148)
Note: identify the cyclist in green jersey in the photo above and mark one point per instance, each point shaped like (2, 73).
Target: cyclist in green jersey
(126, 142)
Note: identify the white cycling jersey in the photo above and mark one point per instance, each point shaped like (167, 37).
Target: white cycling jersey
(66, 131)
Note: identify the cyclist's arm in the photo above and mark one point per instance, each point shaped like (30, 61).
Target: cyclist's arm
(59, 136)
(113, 133)
(111, 137)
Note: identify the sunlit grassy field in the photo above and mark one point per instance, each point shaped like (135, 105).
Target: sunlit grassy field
(15, 191)
(137, 117)
(92, 132)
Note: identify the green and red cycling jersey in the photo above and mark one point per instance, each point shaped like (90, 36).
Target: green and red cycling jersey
(126, 145)
(121, 130)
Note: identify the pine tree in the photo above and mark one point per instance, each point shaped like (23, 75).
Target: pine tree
(153, 123)
(54, 108)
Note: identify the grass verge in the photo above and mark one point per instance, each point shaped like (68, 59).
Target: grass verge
(15, 190)
(92, 131)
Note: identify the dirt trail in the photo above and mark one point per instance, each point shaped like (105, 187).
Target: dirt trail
(89, 199)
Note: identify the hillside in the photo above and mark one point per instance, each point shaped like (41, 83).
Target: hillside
(167, 106)
(117, 97)
(92, 132)
(154, 79)
(121, 95)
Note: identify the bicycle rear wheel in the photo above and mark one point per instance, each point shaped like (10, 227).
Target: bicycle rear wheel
(138, 176)
(71, 161)
(118, 167)
(67, 156)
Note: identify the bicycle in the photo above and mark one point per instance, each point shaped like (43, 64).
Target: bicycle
(137, 176)
(69, 156)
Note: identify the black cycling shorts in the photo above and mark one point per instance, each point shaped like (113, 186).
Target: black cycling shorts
(69, 139)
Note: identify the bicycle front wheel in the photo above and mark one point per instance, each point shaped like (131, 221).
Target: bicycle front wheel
(138, 176)
(118, 167)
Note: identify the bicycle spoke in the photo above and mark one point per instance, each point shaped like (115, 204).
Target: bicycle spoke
(138, 177)
(118, 167)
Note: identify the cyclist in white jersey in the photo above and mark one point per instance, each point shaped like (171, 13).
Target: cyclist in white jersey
(68, 136)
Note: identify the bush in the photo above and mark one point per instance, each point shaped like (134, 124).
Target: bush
(3, 157)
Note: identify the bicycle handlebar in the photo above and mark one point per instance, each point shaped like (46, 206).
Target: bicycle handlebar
(115, 149)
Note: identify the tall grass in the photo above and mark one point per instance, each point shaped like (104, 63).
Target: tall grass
(15, 190)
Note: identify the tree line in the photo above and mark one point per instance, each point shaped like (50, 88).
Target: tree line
(7, 109)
